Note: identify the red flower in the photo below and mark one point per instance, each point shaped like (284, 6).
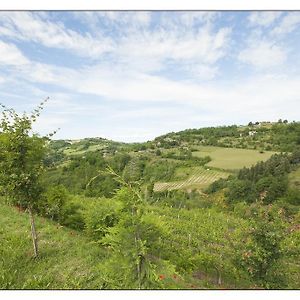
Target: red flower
(161, 277)
(175, 276)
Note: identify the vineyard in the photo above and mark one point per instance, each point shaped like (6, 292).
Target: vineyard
(200, 178)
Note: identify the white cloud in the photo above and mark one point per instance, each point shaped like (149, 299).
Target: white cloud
(263, 18)
(263, 97)
(260, 97)
(141, 18)
(158, 71)
(289, 23)
(150, 51)
(235, 96)
(32, 27)
(201, 72)
(137, 47)
(263, 54)
(11, 55)
(123, 21)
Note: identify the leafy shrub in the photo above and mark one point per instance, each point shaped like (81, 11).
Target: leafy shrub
(58, 206)
(56, 198)
(100, 216)
(71, 216)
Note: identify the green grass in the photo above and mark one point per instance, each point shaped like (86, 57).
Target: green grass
(196, 178)
(68, 259)
(232, 158)
(78, 150)
(294, 179)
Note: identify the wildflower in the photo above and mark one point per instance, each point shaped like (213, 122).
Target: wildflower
(161, 277)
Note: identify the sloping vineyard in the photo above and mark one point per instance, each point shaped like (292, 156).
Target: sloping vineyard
(199, 179)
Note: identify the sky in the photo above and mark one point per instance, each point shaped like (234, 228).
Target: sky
(132, 76)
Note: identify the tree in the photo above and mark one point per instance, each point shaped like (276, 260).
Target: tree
(262, 253)
(21, 161)
(56, 198)
(131, 242)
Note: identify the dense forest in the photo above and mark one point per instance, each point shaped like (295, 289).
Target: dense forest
(156, 215)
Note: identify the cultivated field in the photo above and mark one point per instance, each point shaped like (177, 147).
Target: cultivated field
(199, 178)
(232, 158)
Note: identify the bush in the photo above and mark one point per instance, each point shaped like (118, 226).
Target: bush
(102, 214)
(55, 197)
(71, 216)
(58, 206)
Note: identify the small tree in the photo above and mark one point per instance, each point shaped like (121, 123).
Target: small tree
(21, 161)
(131, 263)
(263, 251)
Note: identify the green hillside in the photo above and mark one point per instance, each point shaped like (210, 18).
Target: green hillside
(210, 208)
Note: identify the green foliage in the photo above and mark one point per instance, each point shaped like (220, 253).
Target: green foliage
(159, 170)
(58, 205)
(130, 265)
(181, 199)
(262, 254)
(266, 181)
(136, 238)
(56, 198)
(134, 170)
(131, 241)
(100, 216)
(71, 216)
(216, 186)
(21, 157)
(77, 174)
(239, 190)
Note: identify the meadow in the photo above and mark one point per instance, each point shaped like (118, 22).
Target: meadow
(231, 158)
(68, 259)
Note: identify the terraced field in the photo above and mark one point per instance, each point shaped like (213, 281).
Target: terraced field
(199, 179)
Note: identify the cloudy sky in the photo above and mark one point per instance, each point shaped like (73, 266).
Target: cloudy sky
(131, 76)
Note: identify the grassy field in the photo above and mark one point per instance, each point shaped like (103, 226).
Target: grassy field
(68, 259)
(197, 178)
(232, 158)
(80, 151)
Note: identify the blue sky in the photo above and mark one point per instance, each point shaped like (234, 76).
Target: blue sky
(131, 76)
